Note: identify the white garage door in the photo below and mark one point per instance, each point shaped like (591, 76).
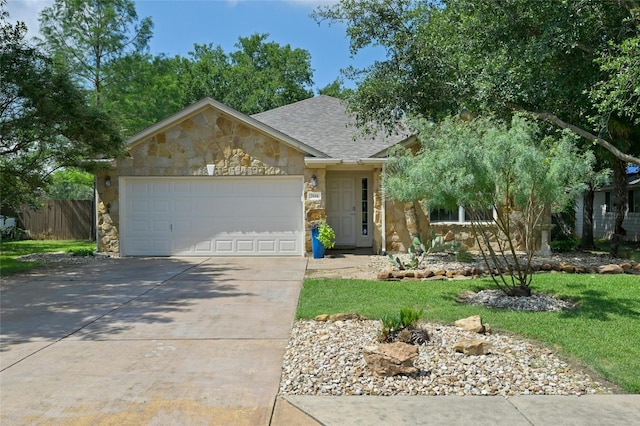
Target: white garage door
(211, 216)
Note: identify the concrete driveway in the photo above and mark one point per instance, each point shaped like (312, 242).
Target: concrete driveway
(147, 341)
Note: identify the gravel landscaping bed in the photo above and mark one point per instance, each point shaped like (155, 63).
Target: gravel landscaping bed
(62, 258)
(326, 358)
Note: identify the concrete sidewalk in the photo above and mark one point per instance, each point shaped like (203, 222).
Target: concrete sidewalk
(596, 410)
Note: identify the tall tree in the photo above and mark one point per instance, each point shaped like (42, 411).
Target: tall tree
(259, 76)
(85, 35)
(45, 120)
(145, 90)
(336, 90)
(514, 55)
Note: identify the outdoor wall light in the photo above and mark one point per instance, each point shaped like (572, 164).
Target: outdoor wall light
(211, 169)
(107, 181)
(314, 181)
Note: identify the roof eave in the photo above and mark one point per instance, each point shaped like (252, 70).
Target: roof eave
(196, 107)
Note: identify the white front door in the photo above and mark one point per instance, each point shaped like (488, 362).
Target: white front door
(341, 209)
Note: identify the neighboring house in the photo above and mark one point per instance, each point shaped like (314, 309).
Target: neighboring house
(603, 214)
(211, 181)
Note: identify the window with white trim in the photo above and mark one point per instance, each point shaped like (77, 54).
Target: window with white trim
(460, 215)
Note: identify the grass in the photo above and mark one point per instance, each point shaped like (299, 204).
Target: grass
(602, 333)
(10, 250)
(627, 250)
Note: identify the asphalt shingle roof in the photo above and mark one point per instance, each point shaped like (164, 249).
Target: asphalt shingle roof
(323, 123)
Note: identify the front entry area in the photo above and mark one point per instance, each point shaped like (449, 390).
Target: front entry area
(349, 206)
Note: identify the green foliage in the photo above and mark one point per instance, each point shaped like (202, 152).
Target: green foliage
(406, 320)
(326, 235)
(564, 246)
(85, 36)
(490, 165)
(406, 317)
(71, 184)
(418, 250)
(45, 122)
(259, 76)
(464, 256)
(620, 91)
(10, 250)
(335, 89)
(600, 333)
(477, 56)
(145, 90)
(81, 252)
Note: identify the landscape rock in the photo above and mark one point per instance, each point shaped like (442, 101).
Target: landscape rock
(473, 347)
(391, 359)
(610, 269)
(346, 317)
(473, 324)
(384, 275)
(567, 267)
(322, 317)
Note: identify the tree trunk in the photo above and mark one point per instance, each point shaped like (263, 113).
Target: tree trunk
(586, 241)
(620, 201)
(411, 217)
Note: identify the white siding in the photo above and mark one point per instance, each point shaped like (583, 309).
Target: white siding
(603, 220)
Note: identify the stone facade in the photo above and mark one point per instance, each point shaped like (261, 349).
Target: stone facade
(208, 136)
(211, 136)
(398, 240)
(314, 210)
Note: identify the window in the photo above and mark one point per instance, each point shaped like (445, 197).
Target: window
(443, 215)
(364, 222)
(634, 201)
(607, 201)
(457, 215)
(486, 216)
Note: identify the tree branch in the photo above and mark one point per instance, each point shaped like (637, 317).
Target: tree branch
(554, 119)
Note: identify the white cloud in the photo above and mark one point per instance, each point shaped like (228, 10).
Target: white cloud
(28, 12)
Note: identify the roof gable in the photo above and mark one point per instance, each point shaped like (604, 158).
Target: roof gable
(324, 123)
(202, 104)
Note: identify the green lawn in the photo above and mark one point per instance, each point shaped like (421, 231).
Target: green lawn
(10, 250)
(603, 333)
(627, 250)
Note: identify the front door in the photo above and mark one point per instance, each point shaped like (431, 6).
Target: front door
(341, 209)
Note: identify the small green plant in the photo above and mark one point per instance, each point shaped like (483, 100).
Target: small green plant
(418, 250)
(564, 245)
(403, 327)
(462, 255)
(326, 234)
(81, 252)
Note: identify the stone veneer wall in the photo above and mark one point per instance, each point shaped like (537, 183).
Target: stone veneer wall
(207, 137)
(314, 210)
(397, 234)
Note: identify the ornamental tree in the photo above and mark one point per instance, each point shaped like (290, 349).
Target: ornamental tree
(487, 165)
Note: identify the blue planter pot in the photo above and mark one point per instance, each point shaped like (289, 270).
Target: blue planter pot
(316, 246)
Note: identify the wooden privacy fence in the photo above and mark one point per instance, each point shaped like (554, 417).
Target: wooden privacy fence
(60, 220)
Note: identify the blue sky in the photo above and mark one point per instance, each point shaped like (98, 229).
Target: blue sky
(178, 24)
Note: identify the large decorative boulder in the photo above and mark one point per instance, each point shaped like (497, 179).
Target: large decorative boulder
(473, 323)
(610, 269)
(473, 347)
(391, 359)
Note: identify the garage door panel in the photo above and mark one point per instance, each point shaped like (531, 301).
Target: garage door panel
(212, 216)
